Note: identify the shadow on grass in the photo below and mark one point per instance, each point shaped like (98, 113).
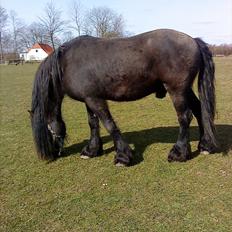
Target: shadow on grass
(142, 139)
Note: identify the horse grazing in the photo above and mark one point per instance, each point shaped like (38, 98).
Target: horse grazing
(93, 70)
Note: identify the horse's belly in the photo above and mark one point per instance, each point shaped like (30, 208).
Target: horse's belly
(130, 93)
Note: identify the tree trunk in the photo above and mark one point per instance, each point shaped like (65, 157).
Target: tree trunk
(1, 48)
(52, 41)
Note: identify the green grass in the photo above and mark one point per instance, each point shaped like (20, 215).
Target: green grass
(72, 194)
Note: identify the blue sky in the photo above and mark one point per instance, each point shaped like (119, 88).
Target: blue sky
(208, 19)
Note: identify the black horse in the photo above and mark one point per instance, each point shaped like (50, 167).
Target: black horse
(93, 70)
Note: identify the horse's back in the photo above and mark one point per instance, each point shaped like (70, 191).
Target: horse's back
(126, 68)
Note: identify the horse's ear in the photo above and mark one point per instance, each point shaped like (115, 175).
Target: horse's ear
(31, 113)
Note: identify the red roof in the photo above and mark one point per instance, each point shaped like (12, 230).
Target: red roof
(48, 49)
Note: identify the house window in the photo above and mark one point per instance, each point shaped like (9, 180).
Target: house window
(36, 50)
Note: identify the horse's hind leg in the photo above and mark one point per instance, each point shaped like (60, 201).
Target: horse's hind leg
(195, 106)
(123, 151)
(181, 151)
(94, 146)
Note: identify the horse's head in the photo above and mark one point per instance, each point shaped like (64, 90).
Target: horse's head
(49, 134)
(57, 131)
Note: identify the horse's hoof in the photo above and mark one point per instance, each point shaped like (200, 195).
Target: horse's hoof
(176, 157)
(124, 158)
(88, 152)
(120, 165)
(204, 152)
(84, 157)
(179, 154)
(170, 159)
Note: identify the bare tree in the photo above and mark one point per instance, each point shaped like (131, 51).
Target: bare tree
(104, 22)
(76, 16)
(13, 21)
(118, 26)
(3, 24)
(16, 36)
(221, 50)
(6, 43)
(18, 28)
(52, 22)
(23, 39)
(37, 33)
(67, 36)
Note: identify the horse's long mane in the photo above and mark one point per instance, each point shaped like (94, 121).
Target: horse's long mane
(45, 96)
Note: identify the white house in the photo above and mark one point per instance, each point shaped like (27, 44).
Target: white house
(38, 52)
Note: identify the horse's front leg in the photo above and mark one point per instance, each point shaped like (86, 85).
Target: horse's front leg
(94, 146)
(181, 151)
(123, 151)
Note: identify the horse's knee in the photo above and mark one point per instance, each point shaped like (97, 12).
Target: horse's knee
(185, 117)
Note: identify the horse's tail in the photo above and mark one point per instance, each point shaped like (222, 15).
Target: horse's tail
(45, 95)
(206, 90)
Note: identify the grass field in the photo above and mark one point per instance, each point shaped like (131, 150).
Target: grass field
(72, 194)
